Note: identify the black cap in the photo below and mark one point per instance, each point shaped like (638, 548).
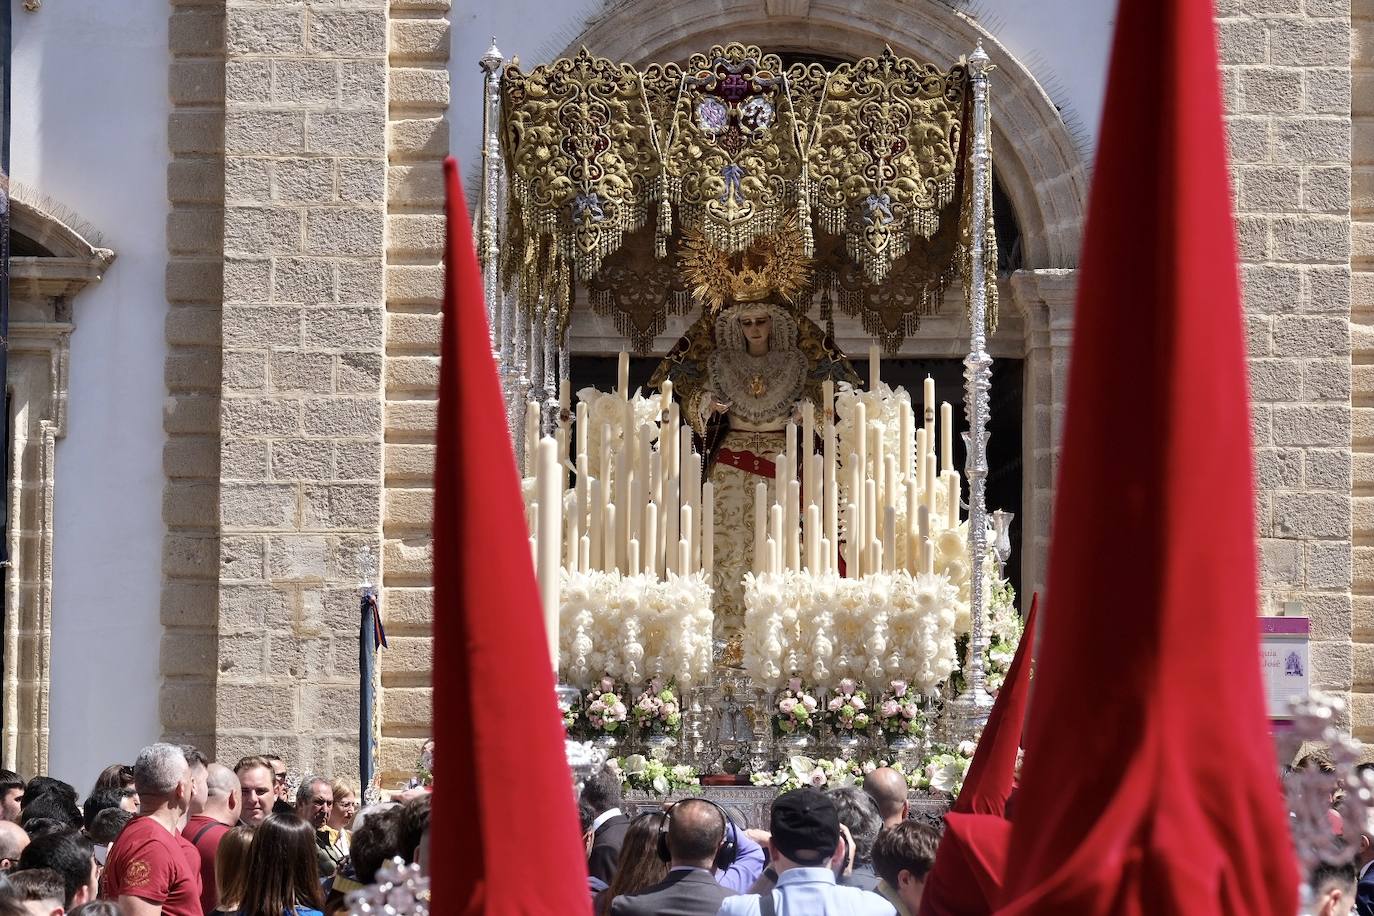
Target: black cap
(805, 826)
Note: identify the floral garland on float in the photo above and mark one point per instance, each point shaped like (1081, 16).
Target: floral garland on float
(942, 769)
(651, 773)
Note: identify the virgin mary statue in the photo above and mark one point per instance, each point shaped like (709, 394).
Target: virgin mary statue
(742, 371)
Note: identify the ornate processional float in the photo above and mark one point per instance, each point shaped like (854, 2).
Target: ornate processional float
(755, 561)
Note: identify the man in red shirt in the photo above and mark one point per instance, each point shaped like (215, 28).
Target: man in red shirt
(205, 830)
(147, 872)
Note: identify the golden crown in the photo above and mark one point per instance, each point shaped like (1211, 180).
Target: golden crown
(772, 266)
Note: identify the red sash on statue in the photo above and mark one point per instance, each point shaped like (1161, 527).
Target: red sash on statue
(747, 462)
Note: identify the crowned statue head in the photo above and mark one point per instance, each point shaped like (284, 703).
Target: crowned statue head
(755, 328)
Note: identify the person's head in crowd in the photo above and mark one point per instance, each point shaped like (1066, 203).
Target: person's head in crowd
(115, 776)
(415, 831)
(345, 804)
(859, 814)
(1333, 889)
(97, 908)
(163, 779)
(11, 796)
(50, 806)
(40, 890)
(36, 827)
(639, 865)
(804, 830)
(888, 789)
(602, 791)
(283, 871)
(198, 764)
(71, 856)
(223, 797)
(13, 839)
(903, 856)
(278, 766)
(47, 785)
(586, 816)
(258, 794)
(314, 801)
(696, 831)
(231, 867)
(108, 824)
(100, 800)
(376, 840)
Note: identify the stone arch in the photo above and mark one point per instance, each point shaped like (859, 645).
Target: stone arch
(1038, 163)
(52, 261)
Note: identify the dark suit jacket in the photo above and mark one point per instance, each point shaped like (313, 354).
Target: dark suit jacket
(606, 843)
(1364, 895)
(682, 893)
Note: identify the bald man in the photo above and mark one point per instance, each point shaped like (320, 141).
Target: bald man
(888, 789)
(13, 840)
(223, 799)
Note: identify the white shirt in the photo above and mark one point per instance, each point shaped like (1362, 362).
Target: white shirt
(603, 817)
(811, 892)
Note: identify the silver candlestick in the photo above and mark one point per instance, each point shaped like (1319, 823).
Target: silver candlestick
(970, 709)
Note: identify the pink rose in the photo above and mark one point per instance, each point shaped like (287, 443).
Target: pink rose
(847, 686)
(898, 688)
(809, 702)
(786, 706)
(794, 685)
(607, 685)
(817, 778)
(910, 711)
(857, 702)
(890, 708)
(835, 704)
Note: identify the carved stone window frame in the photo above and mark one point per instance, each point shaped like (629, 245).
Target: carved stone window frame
(42, 287)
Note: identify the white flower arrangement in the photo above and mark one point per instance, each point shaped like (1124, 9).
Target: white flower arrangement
(604, 708)
(652, 774)
(606, 409)
(1005, 627)
(825, 628)
(849, 709)
(795, 712)
(943, 769)
(822, 773)
(900, 713)
(633, 628)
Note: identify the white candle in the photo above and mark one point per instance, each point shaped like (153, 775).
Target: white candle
(584, 554)
(808, 448)
(776, 537)
(826, 557)
(832, 493)
(622, 375)
(928, 405)
(773, 561)
(609, 529)
(854, 528)
(813, 539)
(582, 431)
(665, 395)
(913, 551)
(851, 540)
(919, 470)
(871, 523)
(953, 480)
(574, 541)
(621, 501)
(874, 367)
(875, 453)
(684, 557)
(634, 556)
(932, 481)
(889, 553)
(549, 538)
(793, 533)
(684, 566)
(531, 437)
(650, 553)
(923, 531)
(598, 518)
(670, 527)
(792, 464)
(929, 548)
(760, 527)
(946, 437)
(564, 396)
(904, 424)
(861, 438)
(708, 529)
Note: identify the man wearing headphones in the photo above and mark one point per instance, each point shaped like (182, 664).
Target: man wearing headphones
(694, 843)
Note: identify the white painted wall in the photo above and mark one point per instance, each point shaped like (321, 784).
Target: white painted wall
(1064, 42)
(89, 132)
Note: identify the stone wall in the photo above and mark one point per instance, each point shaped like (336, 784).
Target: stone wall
(190, 456)
(1362, 359)
(1287, 69)
(418, 140)
(301, 397)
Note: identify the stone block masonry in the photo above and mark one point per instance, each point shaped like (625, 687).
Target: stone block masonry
(1288, 76)
(418, 139)
(301, 393)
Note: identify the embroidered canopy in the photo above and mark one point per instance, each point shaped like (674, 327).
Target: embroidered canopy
(873, 158)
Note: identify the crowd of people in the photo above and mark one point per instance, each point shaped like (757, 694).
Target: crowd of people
(849, 850)
(176, 834)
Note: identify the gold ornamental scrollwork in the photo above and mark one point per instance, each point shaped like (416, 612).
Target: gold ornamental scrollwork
(868, 161)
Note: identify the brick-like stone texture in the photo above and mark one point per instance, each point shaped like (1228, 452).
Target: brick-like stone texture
(190, 458)
(305, 244)
(1355, 564)
(1289, 65)
(418, 139)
